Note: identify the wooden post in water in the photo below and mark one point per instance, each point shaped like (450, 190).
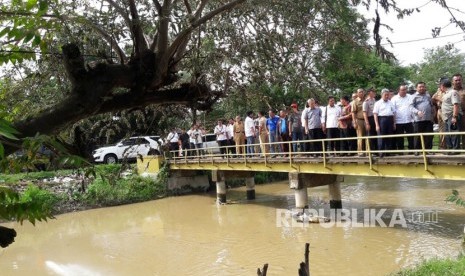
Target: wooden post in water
(304, 269)
(262, 272)
(218, 177)
(300, 190)
(250, 184)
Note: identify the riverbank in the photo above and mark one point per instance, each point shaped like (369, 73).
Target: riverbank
(436, 267)
(66, 191)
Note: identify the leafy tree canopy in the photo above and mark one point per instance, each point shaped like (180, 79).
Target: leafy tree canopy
(437, 62)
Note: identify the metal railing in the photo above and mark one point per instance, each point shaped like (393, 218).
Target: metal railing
(212, 154)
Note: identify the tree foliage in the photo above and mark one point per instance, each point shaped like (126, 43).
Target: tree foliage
(438, 62)
(106, 56)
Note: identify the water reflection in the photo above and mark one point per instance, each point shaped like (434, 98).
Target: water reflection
(192, 235)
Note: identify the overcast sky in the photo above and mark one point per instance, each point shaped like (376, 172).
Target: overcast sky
(418, 26)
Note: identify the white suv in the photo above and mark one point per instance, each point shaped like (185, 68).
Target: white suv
(128, 148)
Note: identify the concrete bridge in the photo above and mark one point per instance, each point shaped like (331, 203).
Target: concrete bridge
(312, 169)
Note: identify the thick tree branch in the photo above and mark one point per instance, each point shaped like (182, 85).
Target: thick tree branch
(163, 28)
(187, 94)
(200, 8)
(175, 46)
(188, 7)
(140, 44)
(110, 40)
(158, 7)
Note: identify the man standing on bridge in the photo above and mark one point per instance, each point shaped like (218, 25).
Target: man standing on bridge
(422, 108)
(370, 125)
(457, 85)
(451, 114)
(404, 118)
(330, 123)
(249, 133)
(384, 113)
(239, 135)
(312, 117)
(358, 119)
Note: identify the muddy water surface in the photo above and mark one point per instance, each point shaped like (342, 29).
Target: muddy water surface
(191, 235)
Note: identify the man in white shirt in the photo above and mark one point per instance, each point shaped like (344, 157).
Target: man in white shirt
(221, 136)
(384, 115)
(230, 130)
(330, 123)
(404, 118)
(249, 128)
(173, 139)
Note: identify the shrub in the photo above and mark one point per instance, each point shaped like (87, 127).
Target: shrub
(103, 192)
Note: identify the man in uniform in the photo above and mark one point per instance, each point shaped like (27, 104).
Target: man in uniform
(358, 120)
(451, 113)
(370, 125)
(239, 135)
(295, 127)
(262, 135)
(437, 102)
(457, 85)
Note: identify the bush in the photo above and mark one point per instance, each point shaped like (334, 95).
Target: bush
(104, 192)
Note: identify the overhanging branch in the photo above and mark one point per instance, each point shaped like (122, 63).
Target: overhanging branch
(186, 32)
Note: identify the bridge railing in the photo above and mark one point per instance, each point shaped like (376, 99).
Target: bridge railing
(213, 153)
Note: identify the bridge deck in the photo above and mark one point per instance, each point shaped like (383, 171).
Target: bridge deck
(430, 166)
(419, 163)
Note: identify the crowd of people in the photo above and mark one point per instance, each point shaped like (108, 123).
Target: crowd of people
(360, 116)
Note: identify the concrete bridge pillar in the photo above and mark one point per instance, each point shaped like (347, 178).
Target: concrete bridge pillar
(300, 182)
(219, 178)
(335, 200)
(300, 190)
(250, 184)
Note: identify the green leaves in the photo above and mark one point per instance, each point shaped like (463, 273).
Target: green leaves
(455, 198)
(33, 205)
(31, 4)
(24, 26)
(7, 130)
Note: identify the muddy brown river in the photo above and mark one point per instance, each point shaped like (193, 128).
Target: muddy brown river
(191, 235)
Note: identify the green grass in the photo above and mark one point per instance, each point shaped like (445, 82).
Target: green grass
(448, 267)
(108, 192)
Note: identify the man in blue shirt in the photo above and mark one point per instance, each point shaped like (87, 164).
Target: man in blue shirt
(271, 128)
(283, 131)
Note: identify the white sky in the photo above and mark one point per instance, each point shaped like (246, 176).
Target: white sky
(418, 26)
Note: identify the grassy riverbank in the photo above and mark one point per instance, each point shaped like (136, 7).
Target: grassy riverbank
(449, 267)
(67, 191)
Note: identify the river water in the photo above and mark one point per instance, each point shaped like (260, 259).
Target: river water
(191, 235)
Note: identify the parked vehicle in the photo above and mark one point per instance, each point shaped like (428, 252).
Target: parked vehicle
(210, 144)
(129, 148)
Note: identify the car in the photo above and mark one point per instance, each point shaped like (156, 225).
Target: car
(129, 148)
(210, 144)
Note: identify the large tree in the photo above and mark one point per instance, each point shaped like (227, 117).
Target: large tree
(93, 57)
(136, 49)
